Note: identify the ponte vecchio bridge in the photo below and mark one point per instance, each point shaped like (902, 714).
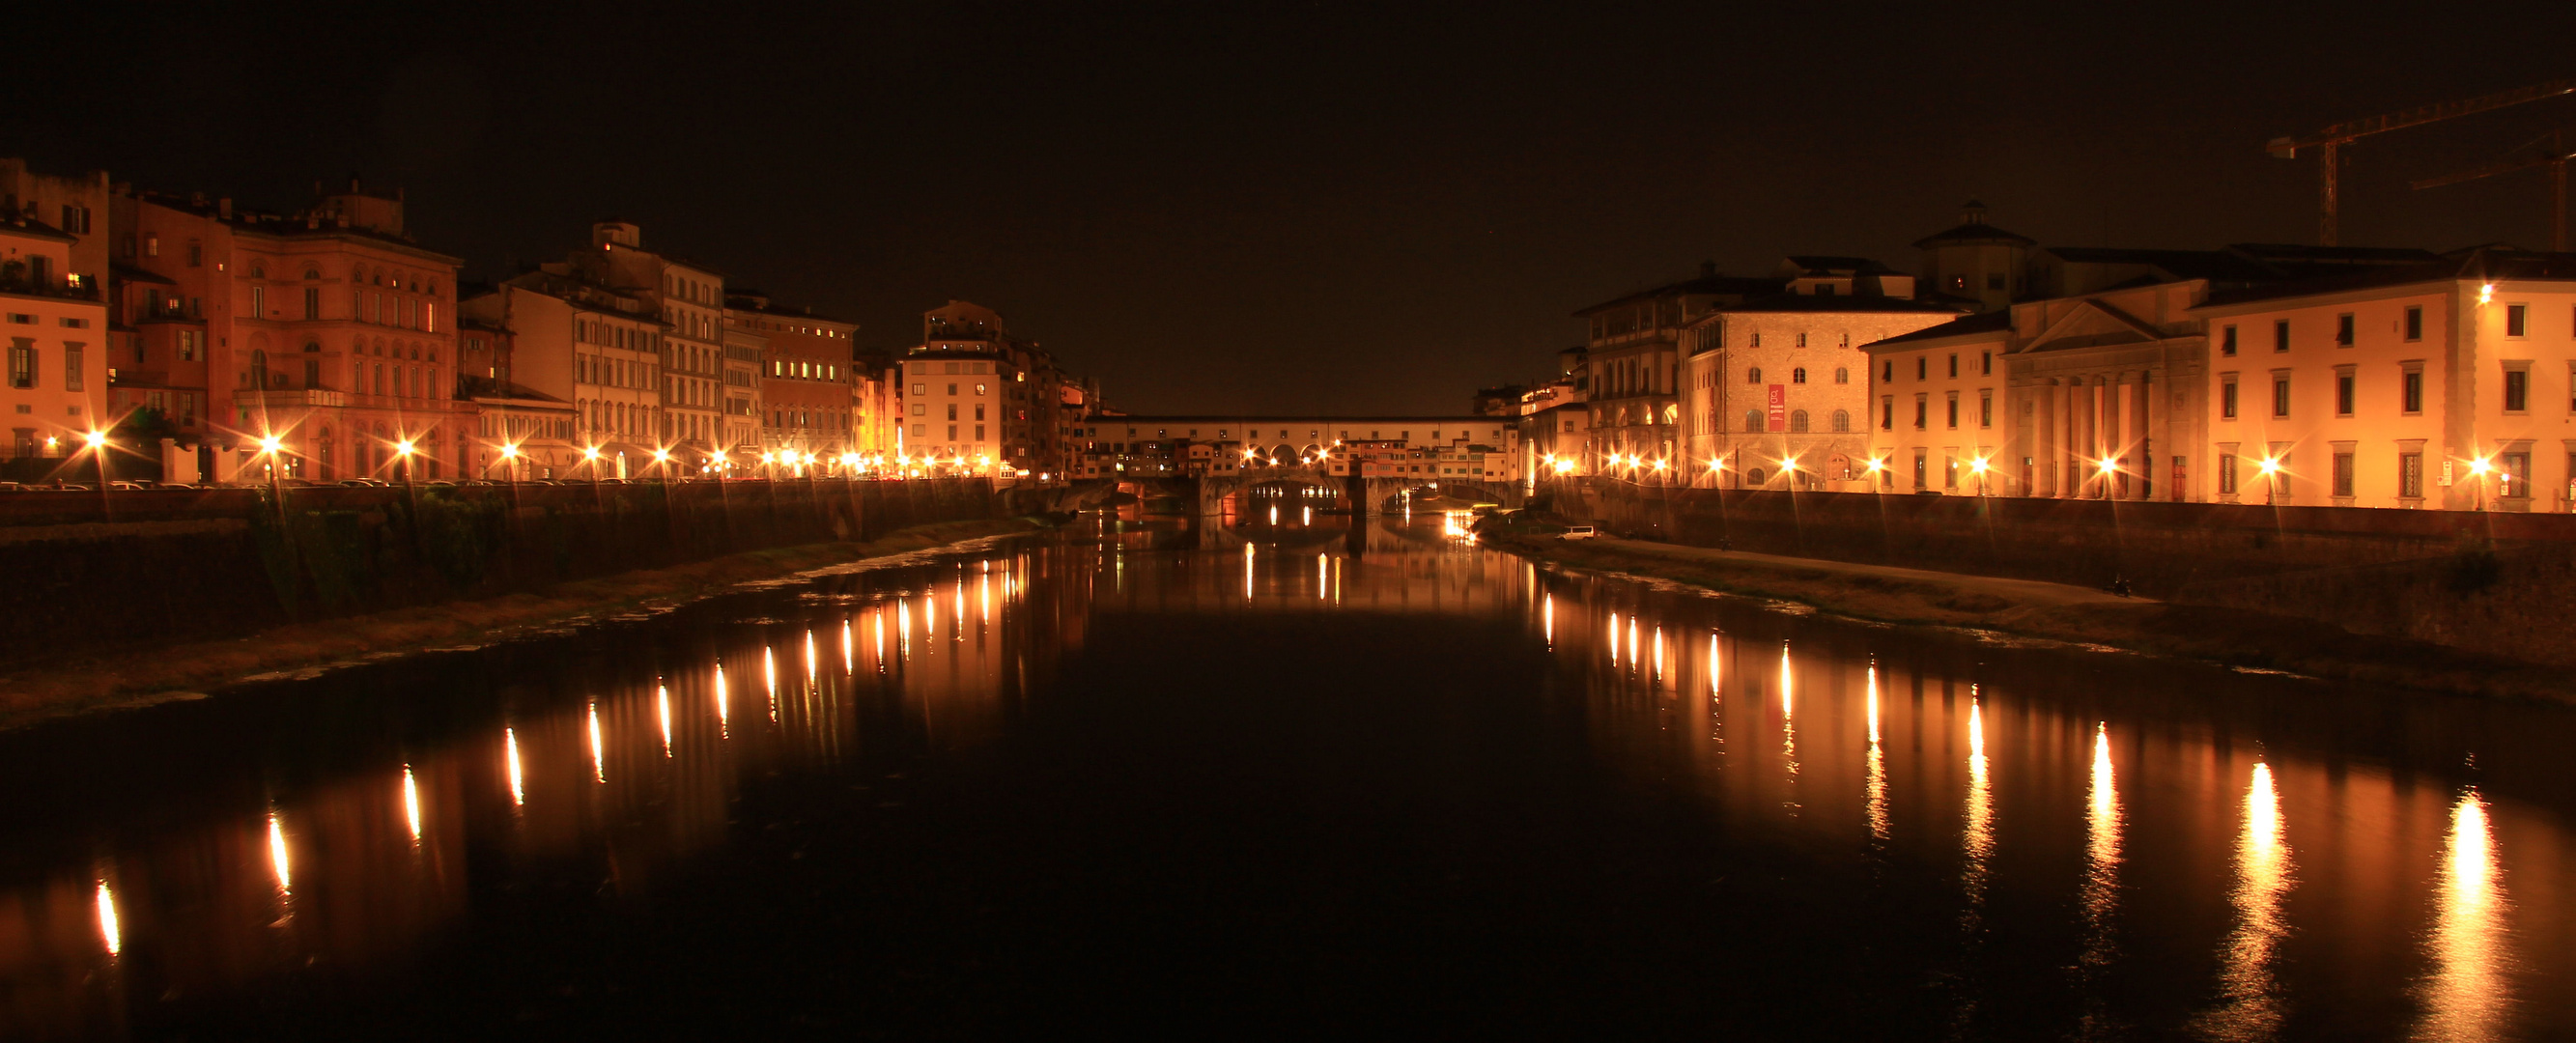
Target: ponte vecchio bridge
(1365, 459)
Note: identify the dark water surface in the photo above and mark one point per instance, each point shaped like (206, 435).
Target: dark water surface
(1175, 781)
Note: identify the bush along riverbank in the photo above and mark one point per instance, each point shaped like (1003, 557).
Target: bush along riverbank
(2047, 611)
(140, 675)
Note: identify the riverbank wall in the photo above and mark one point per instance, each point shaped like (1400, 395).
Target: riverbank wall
(88, 571)
(2490, 582)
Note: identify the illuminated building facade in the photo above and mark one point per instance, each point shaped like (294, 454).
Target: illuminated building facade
(54, 333)
(808, 370)
(2444, 385)
(328, 329)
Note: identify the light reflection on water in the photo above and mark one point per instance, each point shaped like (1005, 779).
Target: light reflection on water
(1999, 791)
(2251, 1005)
(2468, 996)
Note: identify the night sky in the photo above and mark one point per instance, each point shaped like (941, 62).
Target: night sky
(1231, 206)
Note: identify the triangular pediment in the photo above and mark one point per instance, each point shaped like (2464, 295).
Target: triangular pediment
(2093, 324)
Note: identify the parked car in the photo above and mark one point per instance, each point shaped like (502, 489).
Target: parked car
(1578, 532)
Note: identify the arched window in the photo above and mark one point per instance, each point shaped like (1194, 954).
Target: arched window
(1753, 420)
(1753, 476)
(1753, 375)
(258, 271)
(1798, 375)
(312, 347)
(1797, 421)
(312, 273)
(358, 274)
(1842, 420)
(1672, 415)
(1842, 374)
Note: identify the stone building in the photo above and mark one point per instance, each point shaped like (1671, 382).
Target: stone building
(2449, 384)
(1778, 385)
(2103, 391)
(979, 400)
(55, 327)
(808, 370)
(690, 298)
(574, 339)
(329, 330)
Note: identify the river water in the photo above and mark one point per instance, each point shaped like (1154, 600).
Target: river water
(1287, 777)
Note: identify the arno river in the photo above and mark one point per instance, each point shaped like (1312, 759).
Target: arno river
(1286, 779)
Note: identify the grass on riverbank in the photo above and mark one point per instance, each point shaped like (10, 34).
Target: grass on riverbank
(126, 677)
(2231, 637)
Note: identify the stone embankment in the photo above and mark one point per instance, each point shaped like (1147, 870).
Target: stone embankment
(2495, 583)
(131, 572)
(2036, 606)
(97, 677)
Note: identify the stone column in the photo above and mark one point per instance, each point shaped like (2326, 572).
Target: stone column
(2061, 435)
(2043, 439)
(2143, 446)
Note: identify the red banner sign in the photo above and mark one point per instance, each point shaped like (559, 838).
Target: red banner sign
(1778, 420)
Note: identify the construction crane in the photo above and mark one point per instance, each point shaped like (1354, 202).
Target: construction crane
(2329, 141)
(2551, 152)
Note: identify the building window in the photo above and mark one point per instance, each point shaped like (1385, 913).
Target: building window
(1887, 413)
(1842, 374)
(2410, 476)
(2227, 341)
(2343, 475)
(2343, 330)
(2280, 334)
(1922, 411)
(2516, 319)
(1953, 407)
(259, 302)
(1753, 375)
(72, 378)
(2343, 394)
(2227, 400)
(1986, 408)
(2517, 390)
(1954, 365)
(2280, 396)
(1798, 375)
(1985, 363)
(1753, 420)
(2411, 393)
(2227, 474)
(2415, 322)
(2514, 476)
(1887, 372)
(1842, 421)
(1802, 340)
(22, 365)
(1922, 367)
(1797, 421)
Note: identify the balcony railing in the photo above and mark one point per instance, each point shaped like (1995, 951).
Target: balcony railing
(291, 399)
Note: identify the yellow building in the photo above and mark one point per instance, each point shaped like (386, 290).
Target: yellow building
(54, 327)
(2449, 385)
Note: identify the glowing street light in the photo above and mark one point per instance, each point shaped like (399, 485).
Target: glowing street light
(402, 458)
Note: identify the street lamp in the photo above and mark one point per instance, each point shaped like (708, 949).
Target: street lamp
(268, 447)
(662, 463)
(98, 447)
(509, 460)
(1977, 466)
(402, 459)
(2478, 469)
(590, 454)
(2270, 467)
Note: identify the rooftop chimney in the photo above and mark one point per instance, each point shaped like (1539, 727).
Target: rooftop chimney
(1975, 215)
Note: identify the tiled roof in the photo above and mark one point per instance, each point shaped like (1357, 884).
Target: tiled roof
(1989, 322)
(1973, 232)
